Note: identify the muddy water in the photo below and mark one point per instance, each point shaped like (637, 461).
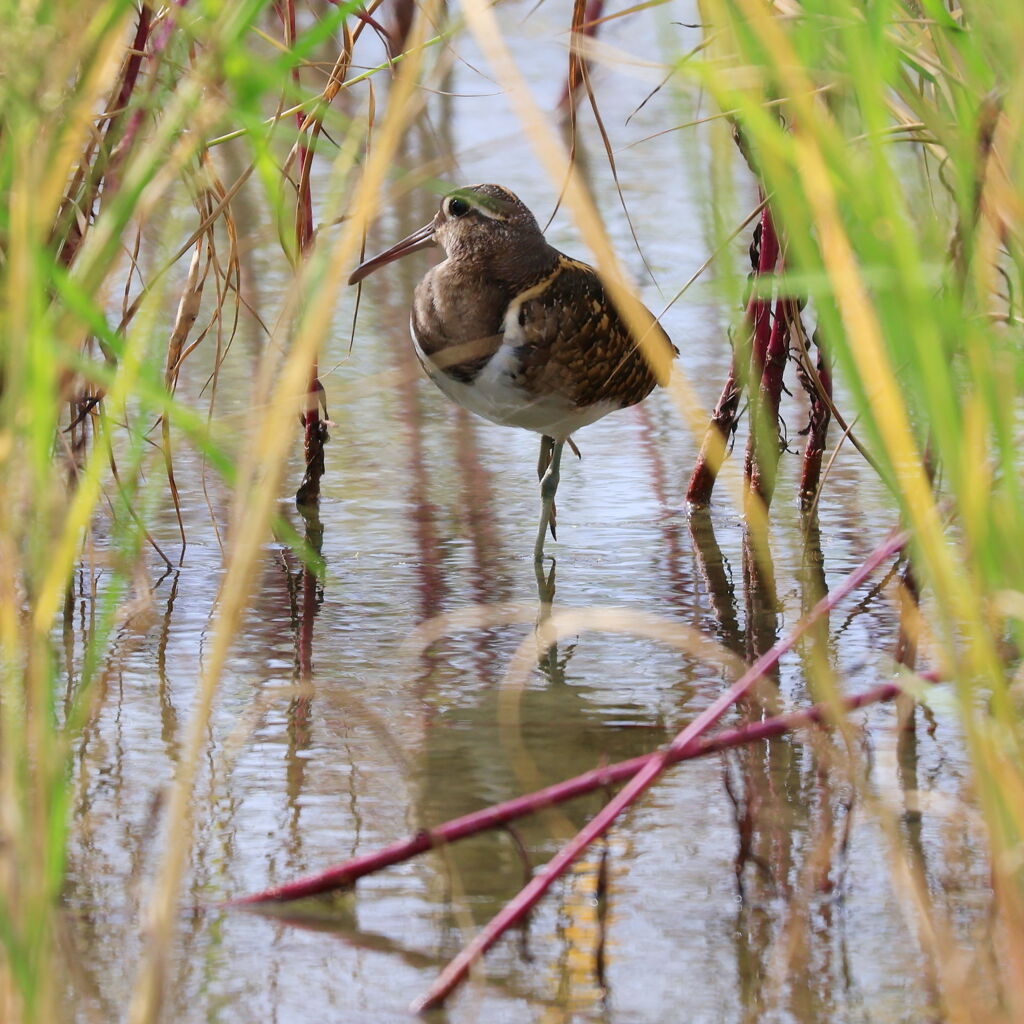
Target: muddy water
(748, 887)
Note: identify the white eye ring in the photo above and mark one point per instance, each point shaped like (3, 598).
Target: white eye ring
(456, 206)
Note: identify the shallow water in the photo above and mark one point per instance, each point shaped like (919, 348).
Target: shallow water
(756, 886)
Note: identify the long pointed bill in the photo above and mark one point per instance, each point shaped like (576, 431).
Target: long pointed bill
(413, 243)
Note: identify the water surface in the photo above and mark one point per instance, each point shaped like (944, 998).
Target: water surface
(755, 886)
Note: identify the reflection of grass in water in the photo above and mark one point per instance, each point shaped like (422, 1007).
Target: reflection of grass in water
(913, 263)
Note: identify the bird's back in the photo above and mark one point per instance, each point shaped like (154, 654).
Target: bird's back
(570, 340)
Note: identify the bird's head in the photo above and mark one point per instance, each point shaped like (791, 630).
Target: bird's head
(482, 225)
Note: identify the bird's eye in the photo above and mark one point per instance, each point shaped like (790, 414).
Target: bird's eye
(458, 207)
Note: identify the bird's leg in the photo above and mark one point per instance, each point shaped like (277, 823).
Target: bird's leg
(546, 444)
(548, 486)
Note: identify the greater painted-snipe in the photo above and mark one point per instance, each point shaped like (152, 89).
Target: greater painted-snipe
(518, 332)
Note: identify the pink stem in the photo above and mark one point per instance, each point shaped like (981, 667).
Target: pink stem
(766, 397)
(599, 778)
(654, 764)
(726, 414)
(687, 745)
(817, 431)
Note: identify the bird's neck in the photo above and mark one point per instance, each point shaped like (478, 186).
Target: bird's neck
(510, 269)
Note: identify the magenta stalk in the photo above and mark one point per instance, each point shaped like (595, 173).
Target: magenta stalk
(653, 765)
(348, 872)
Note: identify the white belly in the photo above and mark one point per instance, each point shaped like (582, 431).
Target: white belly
(494, 395)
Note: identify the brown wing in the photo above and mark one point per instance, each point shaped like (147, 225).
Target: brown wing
(576, 345)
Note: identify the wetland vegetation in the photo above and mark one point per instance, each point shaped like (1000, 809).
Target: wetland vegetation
(761, 709)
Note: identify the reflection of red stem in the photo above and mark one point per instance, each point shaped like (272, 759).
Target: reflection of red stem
(478, 507)
(688, 744)
(717, 580)
(658, 477)
(429, 561)
(306, 625)
(723, 420)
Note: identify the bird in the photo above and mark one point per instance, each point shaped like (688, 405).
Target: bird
(520, 333)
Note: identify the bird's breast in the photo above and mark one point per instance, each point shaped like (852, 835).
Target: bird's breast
(456, 324)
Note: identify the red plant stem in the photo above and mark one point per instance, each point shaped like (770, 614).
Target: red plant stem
(163, 33)
(491, 817)
(157, 45)
(817, 431)
(723, 422)
(762, 445)
(767, 362)
(313, 446)
(580, 785)
(403, 13)
(653, 766)
(585, 20)
(91, 179)
(133, 64)
(760, 306)
(723, 419)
